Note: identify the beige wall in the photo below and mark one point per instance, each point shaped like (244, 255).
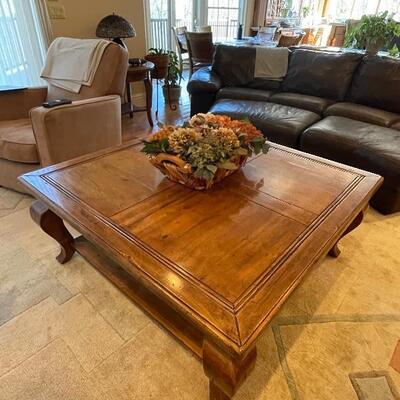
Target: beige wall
(82, 17)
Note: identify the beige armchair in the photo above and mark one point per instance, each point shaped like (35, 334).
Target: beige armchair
(32, 136)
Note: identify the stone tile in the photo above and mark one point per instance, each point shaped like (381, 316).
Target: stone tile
(152, 366)
(51, 374)
(11, 201)
(80, 277)
(27, 334)
(88, 335)
(90, 338)
(24, 283)
(17, 230)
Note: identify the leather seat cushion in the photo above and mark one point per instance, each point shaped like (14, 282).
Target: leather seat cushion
(17, 142)
(303, 101)
(280, 124)
(363, 113)
(359, 144)
(243, 93)
(321, 74)
(376, 83)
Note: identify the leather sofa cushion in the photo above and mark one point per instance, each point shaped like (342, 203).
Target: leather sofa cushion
(17, 142)
(303, 101)
(265, 84)
(396, 125)
(363, 113)
(242, 93)
(204, 80)
(234, 65)
(377, 84)
(359, 144)
(321, 74)
(280, 124)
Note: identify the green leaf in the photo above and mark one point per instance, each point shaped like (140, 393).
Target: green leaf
(164, 145)
(257, 148)
(265, 148)
(212, 168)
(227, 165)
(258, 139)
(246, 120)
(204, 173)
(241, 151)
(151, 147)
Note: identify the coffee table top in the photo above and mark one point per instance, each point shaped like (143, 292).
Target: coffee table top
(226, 258)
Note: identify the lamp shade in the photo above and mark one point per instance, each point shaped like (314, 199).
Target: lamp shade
(115, 26)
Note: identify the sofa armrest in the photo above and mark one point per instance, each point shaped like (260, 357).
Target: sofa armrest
(204, 80)
(16, 104)
(83, 127)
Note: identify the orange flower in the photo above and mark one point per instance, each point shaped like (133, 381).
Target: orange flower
(163, 133)
(244, 127)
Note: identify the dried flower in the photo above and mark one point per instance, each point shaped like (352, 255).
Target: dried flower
(208, 142)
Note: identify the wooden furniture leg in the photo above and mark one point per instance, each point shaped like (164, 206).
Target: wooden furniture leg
(54, 226)
(225, 371)
(149, 100)
(335, 251)
(129, 94)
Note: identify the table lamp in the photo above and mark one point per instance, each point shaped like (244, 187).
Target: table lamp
(116, 28)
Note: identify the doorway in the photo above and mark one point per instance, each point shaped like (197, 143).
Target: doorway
(224, 17)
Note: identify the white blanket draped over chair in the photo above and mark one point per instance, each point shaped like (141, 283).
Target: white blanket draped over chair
(71, 63)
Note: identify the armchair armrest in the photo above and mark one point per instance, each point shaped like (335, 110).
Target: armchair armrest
(204, 80)
(16, 104)
(83, 127)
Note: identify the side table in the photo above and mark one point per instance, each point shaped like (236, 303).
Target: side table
(136, 74)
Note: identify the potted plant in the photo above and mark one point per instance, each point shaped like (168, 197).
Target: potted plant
(372, 33)
(160, 58)
(171, 88)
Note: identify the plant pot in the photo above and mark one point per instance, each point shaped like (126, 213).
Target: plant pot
(161, 62)
(172, 94)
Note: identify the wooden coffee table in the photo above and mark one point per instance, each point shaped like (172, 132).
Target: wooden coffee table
(212, 267)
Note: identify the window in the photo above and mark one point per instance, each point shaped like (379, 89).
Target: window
(223, 17)
(22, 47)
(341, 10)
(292, 10)
(336, 10)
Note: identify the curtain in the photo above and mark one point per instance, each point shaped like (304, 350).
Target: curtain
(23, 43)
(44, 21)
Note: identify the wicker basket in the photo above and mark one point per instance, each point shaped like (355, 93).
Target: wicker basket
(177, 170)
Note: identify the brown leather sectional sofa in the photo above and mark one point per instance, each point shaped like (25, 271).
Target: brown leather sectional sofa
(342, 106)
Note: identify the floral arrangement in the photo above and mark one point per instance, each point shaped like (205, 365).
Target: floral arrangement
(206, 145)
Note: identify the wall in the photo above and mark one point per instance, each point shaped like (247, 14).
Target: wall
(82, 17)
(249, 15)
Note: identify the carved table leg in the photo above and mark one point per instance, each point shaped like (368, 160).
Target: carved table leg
(54, 226)
(335, 251)
(226, 372)
(149, 100)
